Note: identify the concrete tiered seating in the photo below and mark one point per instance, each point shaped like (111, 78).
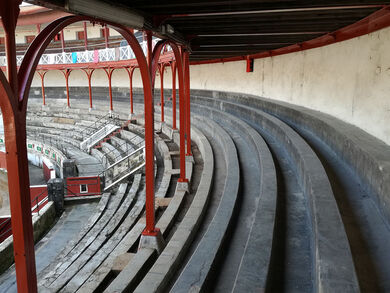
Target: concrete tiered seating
(290, 198)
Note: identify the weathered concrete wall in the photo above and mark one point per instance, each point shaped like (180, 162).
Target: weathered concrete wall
(349, 80)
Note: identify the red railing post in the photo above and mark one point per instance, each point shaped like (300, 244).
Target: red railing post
(186, 64)
(173, 68)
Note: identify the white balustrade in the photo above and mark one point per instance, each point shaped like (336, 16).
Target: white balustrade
(107, 54)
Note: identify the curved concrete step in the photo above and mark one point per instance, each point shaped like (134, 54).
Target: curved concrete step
(111, 152)
(82, 275)
(122, 145)
(196, 272)
(356, 164)
(134, 136)
(52, 272)
(170, 259)
(334, 268)
(101, 157)
(247, 267)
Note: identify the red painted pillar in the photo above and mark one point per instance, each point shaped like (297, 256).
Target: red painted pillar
(109, 72)
(66, 73)
(182, 123)
(42, 75)
(162, 91)
(149, 46)
(150, 229)
(85, 35)
(14, 120)
(62, 41)
(173, 67)
(89, 72)
(106, 32)
(131, 92)
(186, 65)
(130, 72)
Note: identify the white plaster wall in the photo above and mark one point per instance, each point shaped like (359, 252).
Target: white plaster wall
(349, 80)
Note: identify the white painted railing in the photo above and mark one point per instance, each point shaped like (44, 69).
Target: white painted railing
(123, 168)
(99, 135)
(90, 56)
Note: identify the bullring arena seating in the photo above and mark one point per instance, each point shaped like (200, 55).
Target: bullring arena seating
(271, 185)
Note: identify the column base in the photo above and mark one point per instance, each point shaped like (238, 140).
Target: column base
(152, 240)
(183, 185)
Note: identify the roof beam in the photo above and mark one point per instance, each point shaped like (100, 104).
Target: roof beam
(105, 11)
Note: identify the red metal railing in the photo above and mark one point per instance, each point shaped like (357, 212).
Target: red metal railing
(37, 203)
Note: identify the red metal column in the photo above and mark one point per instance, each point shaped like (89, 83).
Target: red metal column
(42, 75)
(106, 36)
(66, 73)
(173, 67)
(85, 36)
(186, 64)
(62, 41)
(178, 58)
(14, 120)
(179, 64)
(149, 46)
(109, 72)
(161, 67)
(130, 72)
(89, 72)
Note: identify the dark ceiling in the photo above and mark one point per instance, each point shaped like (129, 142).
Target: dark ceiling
(221, 28)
